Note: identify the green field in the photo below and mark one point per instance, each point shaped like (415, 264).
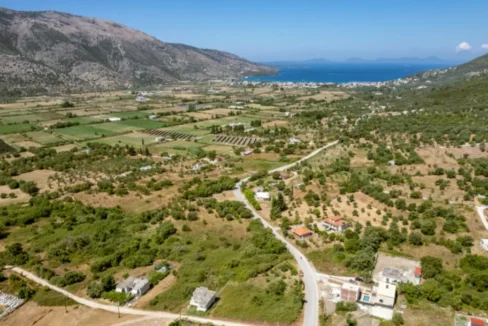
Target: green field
(83, 120)
(255, 304)
(129, 114)
(179, 145)
(201, 127)
(256, 165)
(143, 123)
(9, 129)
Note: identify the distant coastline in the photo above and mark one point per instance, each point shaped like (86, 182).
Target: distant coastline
(345, 72)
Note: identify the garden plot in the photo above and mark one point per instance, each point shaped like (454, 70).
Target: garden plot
(235, 140)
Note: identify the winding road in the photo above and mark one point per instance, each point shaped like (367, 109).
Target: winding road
(311, 309)
(114, 309)
(311, 312)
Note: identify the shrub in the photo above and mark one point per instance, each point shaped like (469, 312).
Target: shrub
(155, 277)
(68, 278)
(117, 297)
(94, 290)
(346, 306)
(108, 283)
(397, 319)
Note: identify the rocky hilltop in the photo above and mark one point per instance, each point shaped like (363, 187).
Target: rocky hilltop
(53, 52)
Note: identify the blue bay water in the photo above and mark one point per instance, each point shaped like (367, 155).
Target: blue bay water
(346, 72)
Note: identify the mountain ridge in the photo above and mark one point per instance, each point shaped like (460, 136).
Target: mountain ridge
(474, 68)
(54, 52)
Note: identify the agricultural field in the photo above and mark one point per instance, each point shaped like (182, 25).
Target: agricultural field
(112, 199)
(16, 128)
(128, 188)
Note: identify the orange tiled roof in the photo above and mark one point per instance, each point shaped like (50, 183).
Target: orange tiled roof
(301, 231)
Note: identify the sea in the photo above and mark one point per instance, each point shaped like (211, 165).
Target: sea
(345, 72)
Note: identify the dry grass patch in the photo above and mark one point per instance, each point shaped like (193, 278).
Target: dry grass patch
(20, 196)
(28, 144)
(327, 96)
(31, 314)
(277, 123)
(40, 177)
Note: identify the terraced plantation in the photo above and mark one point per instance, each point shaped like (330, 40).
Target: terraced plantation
(168, 134)
(235, 140)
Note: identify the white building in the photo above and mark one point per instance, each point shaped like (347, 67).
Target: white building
(335, 223)
(146, 168)
(152, 117)
(484, 244)
(160, 139)
(136, 286)
(202, 298)
(384, 294)
(262, 195)
(113, 119)
(393, 276)
(294, 140)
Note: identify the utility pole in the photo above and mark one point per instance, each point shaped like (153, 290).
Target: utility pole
(118, 308)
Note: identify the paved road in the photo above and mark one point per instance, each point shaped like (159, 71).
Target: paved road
(123, 310)
(311, 314)
(311, 288)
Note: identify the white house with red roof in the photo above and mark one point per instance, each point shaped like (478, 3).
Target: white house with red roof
(335, 223)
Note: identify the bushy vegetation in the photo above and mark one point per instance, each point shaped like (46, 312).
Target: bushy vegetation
(217, 260)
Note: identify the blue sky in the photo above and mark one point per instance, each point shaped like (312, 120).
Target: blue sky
(298, 30)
